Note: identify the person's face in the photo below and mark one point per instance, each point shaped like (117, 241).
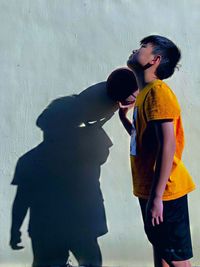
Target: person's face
(141, 57)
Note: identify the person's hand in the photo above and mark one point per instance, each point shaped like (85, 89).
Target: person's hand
(155, 211)
(15, 240)
(124, 108)
(127, 104)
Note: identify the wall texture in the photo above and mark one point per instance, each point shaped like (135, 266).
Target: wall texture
(57, 48)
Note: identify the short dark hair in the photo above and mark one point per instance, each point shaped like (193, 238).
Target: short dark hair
(169, 52)
(120, 84)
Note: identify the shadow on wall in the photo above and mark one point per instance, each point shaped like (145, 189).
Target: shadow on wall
(59, 180)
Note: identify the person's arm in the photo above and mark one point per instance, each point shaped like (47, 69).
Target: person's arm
(167, 146)
(125, 121)
(19, 211)
(125, 106)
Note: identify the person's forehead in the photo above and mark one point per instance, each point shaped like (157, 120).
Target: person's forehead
(148, 44)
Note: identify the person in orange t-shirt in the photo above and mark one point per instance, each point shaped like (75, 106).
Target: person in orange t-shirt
(160, 179)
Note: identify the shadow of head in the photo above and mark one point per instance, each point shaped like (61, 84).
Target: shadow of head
(75, 123)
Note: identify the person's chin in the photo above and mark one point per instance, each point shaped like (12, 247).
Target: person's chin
(130, 64)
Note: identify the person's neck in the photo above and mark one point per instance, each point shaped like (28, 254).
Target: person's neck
(144, 78)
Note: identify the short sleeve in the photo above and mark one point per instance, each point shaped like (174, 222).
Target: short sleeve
(16, 178)
(161, 103)
(19, 177)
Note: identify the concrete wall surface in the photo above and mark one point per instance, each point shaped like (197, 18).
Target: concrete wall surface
(61, 52)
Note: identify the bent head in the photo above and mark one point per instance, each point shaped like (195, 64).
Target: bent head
(157, 50)
(121, 85)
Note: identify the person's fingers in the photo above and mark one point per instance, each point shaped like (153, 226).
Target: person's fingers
(127, 105)
(157, 220)
(121, 105)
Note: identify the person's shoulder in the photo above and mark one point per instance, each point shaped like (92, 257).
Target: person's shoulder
(163, 90)
(161, 102)
(160, 86)
(25, 167)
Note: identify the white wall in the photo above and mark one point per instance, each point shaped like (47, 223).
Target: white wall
(52, 48)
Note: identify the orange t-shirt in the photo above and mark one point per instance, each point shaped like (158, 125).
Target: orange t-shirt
(157, 102)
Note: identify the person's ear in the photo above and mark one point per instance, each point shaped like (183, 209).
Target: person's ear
(156, 59)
